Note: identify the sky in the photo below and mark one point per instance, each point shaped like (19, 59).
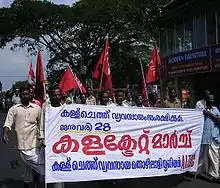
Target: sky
(14, 65)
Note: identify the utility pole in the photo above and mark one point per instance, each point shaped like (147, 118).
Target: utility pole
(0, 86)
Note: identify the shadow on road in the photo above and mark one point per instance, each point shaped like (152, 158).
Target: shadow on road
(166, 182)
(11, 183)
(160, 182)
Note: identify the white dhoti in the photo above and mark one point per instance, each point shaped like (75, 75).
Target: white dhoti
(209, 160)
(214, 159)
(203, 159)
(34, 159)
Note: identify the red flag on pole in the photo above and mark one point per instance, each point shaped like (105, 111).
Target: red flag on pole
(67, 82)
(70, 81)
(98, 68)
(153, 70)
(31, 73)
(102, 70)
(40, 89)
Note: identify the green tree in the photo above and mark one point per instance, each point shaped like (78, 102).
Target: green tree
(75, 35)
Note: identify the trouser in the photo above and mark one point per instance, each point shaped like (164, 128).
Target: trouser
(209, 160)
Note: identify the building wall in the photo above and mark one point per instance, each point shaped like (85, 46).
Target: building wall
(191, 47)
(193, 33)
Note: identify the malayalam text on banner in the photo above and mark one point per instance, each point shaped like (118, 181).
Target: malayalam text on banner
(85, 143)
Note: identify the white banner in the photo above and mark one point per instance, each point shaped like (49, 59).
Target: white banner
(86, 143)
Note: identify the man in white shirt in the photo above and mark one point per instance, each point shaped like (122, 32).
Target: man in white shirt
(104, 99)
(25, 116)
(129, 99)
(55, 101)
(119, 98)
(16, 98)
(202, 103)
(90, 99)
(209, 155)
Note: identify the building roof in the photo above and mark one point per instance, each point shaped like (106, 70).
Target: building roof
(177, 10)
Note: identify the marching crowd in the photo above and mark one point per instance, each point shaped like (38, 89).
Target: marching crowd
(28, 117)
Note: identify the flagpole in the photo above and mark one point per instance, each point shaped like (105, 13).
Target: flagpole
(74, 76)
(76, 79)
(143, 77)
(28, 72)
(91, 84)
(160, 78)
(100, 85)
(29, 69)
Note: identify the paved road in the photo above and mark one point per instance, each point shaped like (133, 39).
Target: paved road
(11, 176)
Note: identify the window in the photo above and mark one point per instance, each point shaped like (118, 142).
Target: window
(211, 27)
(200, 31)
(179, 38)
(171, 42)
(188, 41)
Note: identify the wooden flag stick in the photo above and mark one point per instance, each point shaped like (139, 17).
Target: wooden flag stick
(143, 77)
(160, 78)
(29, 70)
(100, 85)
(101, 80)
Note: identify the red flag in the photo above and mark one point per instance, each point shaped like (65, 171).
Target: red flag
(102, 70)
(67, 82)
(31, 73)
(153, 70)
(40, 89)
(70, 81)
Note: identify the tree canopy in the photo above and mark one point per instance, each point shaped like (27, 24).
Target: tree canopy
(75, 34)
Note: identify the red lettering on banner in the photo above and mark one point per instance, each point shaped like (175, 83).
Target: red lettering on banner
(92, 145)
(65, 144)
(192, 160)
(108, 143)
(174, 140)
(186, 140)
(184, 161)
(166, 141)
(157, 141)
(143, 142)
(126, 145)
(188, 161)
